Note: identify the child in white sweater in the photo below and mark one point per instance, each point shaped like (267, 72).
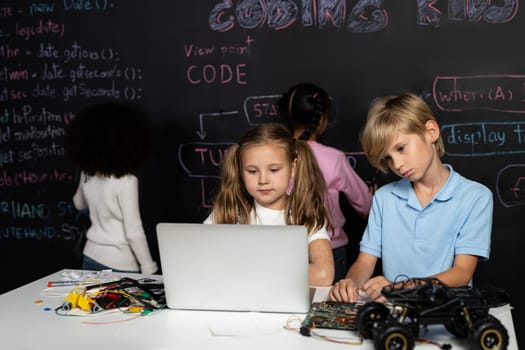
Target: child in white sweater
(108, 185)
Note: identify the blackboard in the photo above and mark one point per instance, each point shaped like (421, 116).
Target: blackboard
(207, 70)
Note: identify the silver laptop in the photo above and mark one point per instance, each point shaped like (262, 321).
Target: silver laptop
(235, 267)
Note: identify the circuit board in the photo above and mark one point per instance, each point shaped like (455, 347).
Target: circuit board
(332, 315)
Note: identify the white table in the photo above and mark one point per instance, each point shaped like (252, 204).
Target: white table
(24, 324)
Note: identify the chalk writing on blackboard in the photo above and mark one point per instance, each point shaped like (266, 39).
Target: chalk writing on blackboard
(71, 5)
(203, 69)
(503, 92)
(261, 109)
(264, 109)
(33, 216)
(202, 159)
(484, 138)
(510, 185)
(202, 128)
(47, 69)
(366, 16)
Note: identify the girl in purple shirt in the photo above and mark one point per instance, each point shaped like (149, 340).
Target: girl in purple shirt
(306, 106)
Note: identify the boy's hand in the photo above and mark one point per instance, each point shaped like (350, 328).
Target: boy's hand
(373, 288)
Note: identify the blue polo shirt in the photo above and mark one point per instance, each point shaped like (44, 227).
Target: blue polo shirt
(422, 241)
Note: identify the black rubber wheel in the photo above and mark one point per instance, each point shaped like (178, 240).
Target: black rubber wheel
(488, 334)
(395, 338)
(368, 317)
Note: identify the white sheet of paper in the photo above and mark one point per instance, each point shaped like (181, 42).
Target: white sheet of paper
(243, 325)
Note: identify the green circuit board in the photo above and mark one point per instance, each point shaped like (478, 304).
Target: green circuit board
(332, 315)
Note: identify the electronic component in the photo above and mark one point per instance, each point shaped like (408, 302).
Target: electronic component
(144, 295)
(332, 315)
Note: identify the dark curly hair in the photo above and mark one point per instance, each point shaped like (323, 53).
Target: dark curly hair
(109, 139)
(302, 106)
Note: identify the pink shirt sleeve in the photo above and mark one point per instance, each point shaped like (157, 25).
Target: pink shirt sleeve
(353, 187)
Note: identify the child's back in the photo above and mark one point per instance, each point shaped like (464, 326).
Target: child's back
(108, 186)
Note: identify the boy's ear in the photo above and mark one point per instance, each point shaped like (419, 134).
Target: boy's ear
(432, 130)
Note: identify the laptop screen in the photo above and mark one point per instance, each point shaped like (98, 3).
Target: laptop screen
(235, 267)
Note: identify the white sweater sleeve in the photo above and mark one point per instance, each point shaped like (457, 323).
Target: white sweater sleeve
(128, 199)
(79, 201)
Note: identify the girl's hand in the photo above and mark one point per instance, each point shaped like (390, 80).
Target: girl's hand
(344, 291)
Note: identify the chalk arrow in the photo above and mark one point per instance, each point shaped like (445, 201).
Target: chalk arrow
(201, 132)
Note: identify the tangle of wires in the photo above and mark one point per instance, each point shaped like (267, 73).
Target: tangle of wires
(128, 295)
